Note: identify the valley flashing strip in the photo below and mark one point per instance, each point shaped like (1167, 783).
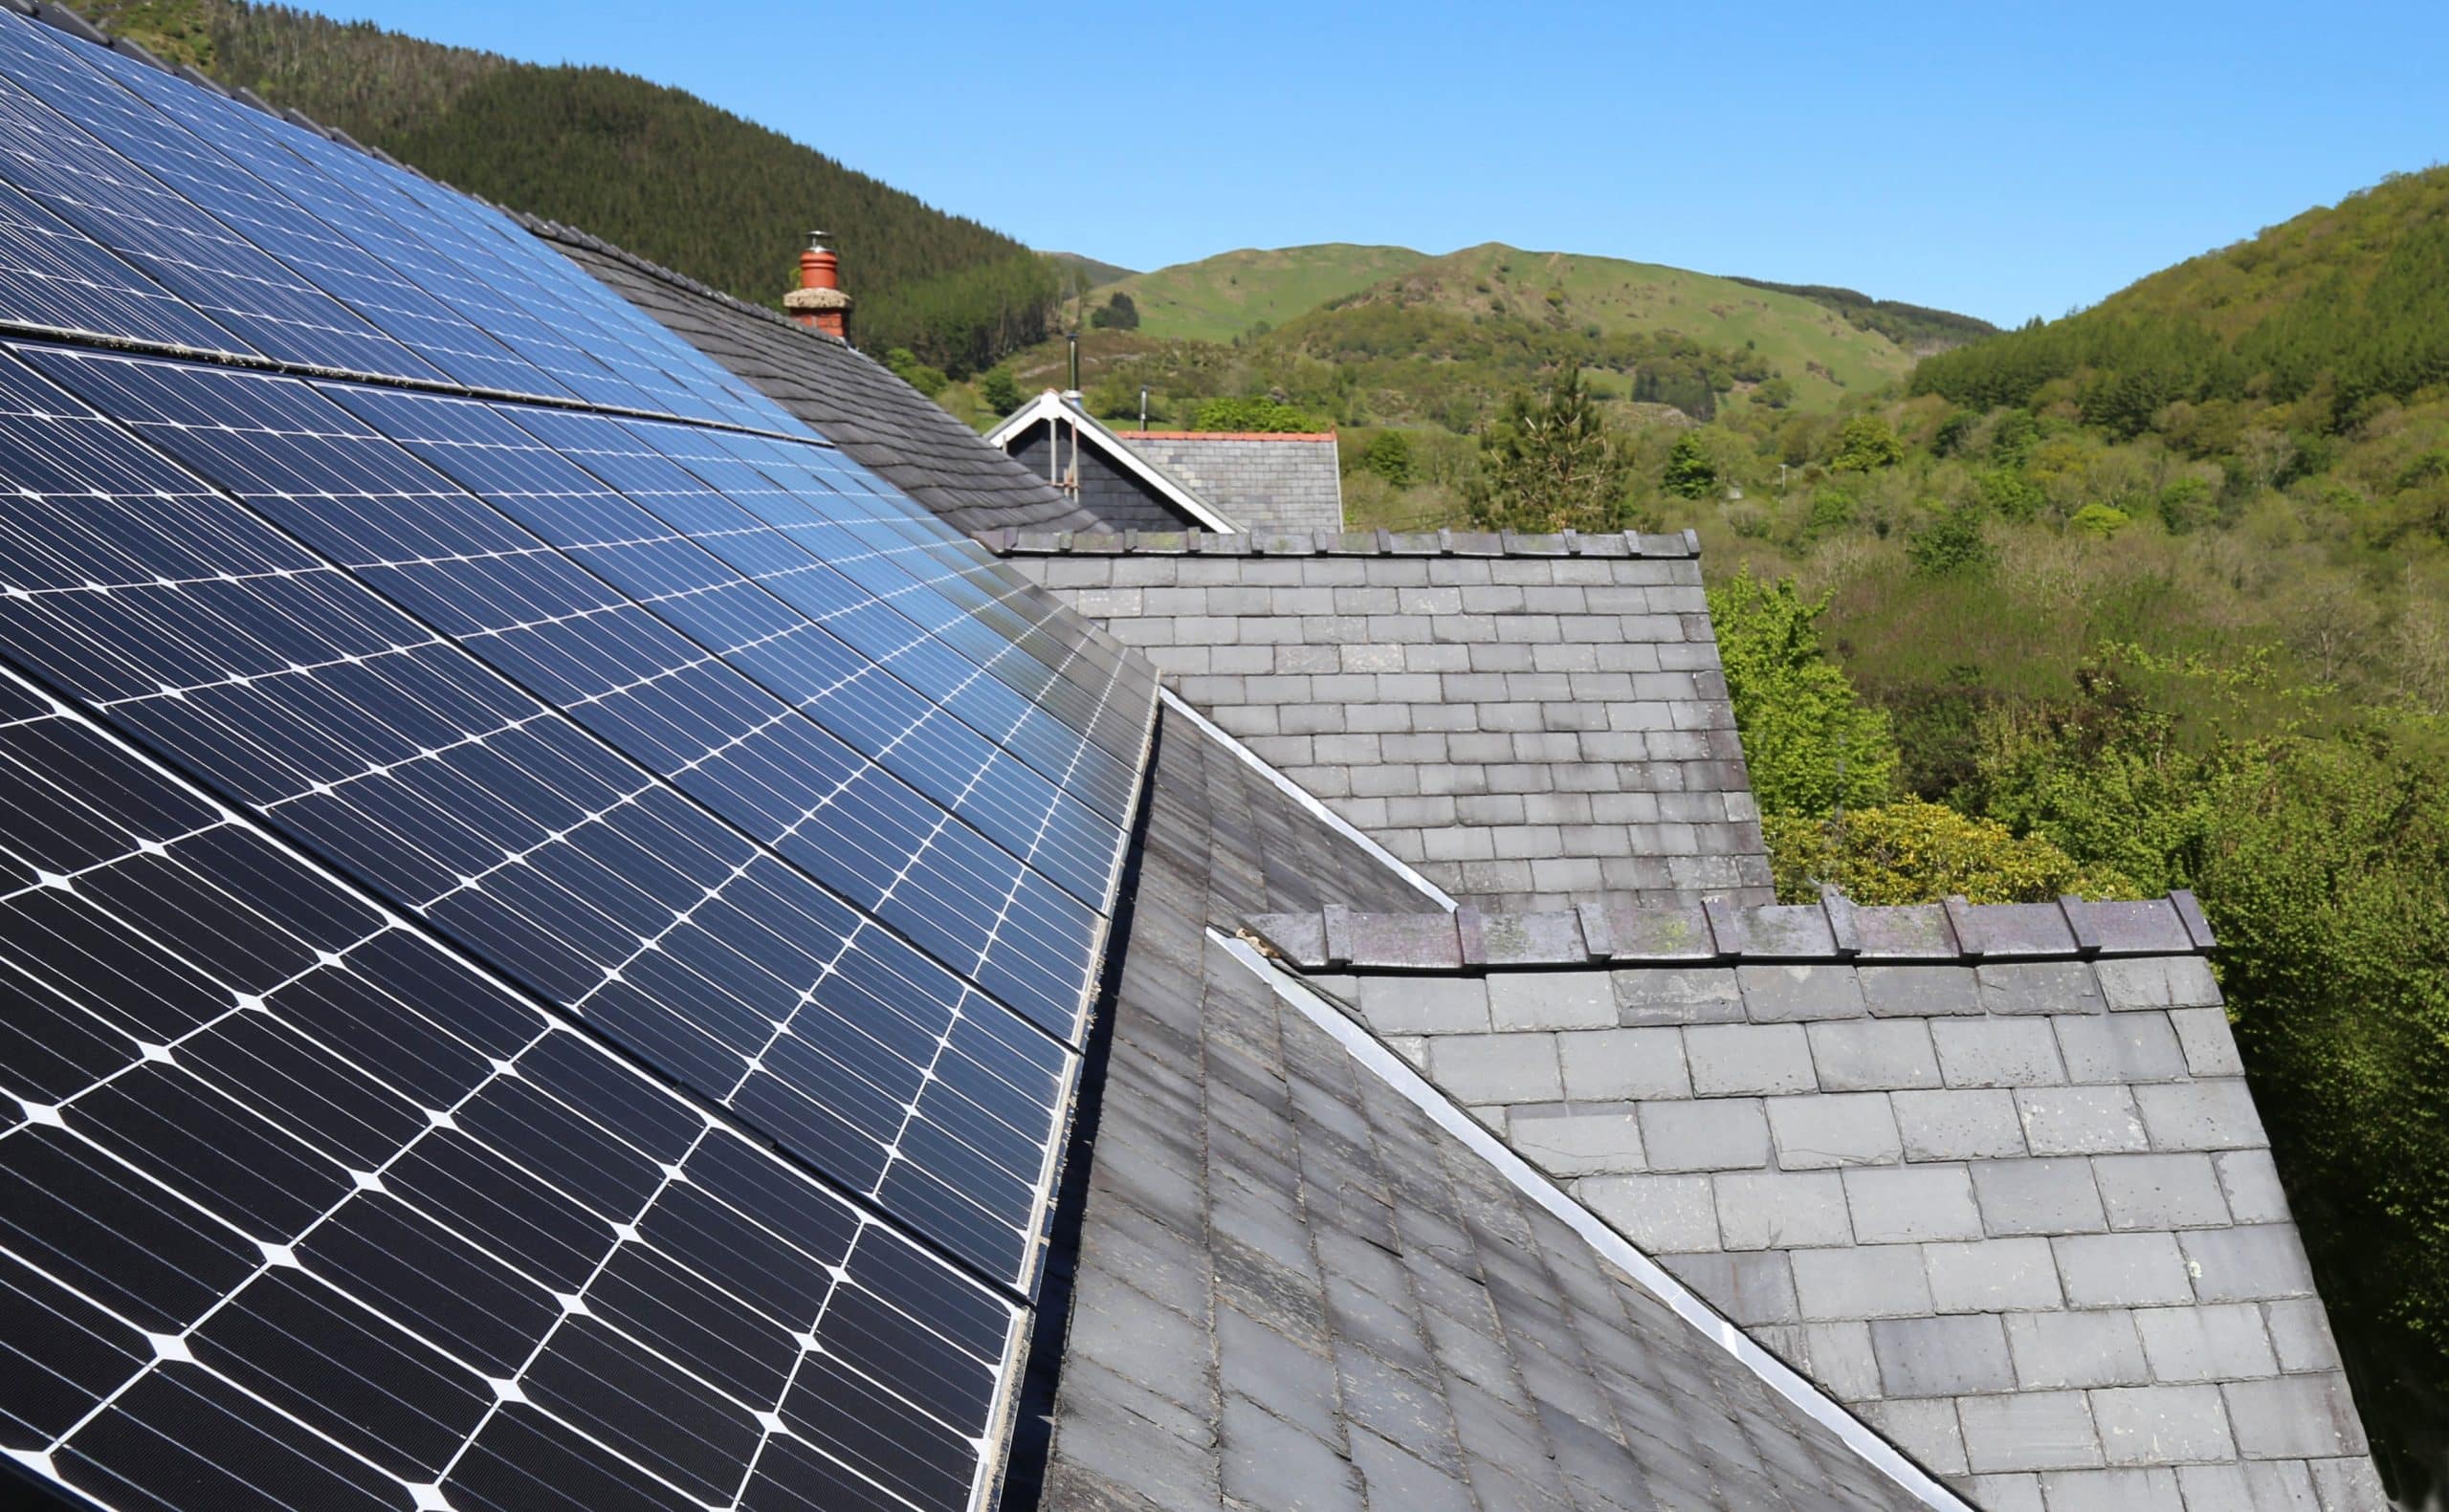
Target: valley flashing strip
(1367, 1049)
(1309, 803)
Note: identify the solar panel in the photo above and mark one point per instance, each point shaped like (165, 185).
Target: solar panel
(176, 243)
(287, 685)
(856, 699)
(553, 940)
(303, 1211)
(991, 682)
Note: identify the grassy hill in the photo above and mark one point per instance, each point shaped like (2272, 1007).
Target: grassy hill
(1817, 349)
(1086, 272)
(1231, 294)
(658, 170)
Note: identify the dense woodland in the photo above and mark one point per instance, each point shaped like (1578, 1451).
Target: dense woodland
(1915, 327)
(656, 170)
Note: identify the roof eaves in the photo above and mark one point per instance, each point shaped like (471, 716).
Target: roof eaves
(1618, 1251)
(1682, 544)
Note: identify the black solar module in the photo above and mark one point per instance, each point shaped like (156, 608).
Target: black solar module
(552, 940)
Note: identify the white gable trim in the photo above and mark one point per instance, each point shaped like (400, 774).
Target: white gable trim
(1050, 410)
(1612, 1246)
(1303, 796)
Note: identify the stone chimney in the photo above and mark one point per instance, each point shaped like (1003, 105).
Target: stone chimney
(819, 300)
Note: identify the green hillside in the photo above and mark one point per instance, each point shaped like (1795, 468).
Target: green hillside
(1820, 352)
(1086, 272)
(2313, 325)
(657, 170)
(1917, 328)
(1231, 294)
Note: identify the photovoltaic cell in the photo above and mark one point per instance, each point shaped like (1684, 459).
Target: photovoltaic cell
(297, 1210)
(287, 685)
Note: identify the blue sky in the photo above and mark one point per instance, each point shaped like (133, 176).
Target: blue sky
(2003, 160)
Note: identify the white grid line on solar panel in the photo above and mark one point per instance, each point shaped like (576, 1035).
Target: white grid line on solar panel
(908, 729)
(882, 564)
(693, 385)
(551, 872)
(60, 166)
(279, 226)
(763, 767)
(1001, 705)
(235, 1071)
(405, 234)
(53, 274)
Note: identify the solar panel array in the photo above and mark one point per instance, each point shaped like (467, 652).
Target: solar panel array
(555, 913)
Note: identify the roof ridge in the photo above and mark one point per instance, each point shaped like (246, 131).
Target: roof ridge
(1224, 435)
(1342, 543)
(1833, 931)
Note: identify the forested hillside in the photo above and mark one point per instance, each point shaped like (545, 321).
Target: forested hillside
(657, 170)
(2153, 596)
(1917, 328)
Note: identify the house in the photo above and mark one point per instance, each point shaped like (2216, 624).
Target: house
(1222, 481)
(576, 940)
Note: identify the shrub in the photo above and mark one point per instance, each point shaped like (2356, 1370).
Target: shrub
(1810, 739)
(2103, 521)
(1952, 542)
(1389, 455)
(999, 391)
(1912, 852)
(1866, 444)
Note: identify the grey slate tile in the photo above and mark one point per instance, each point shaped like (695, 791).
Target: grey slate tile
(1996, 1052)
(2121, 1270)
(1743, 1058)
(1894, 1205)
(2029, 1430)
(1999, 1274)
(1873, 1055)
(1969, 1124)
(1785, 993)
(2294, 1417)
(2080, 1120)
(2160, 1191)
(1865, 1282)
(1717, 1134)
(1781, 1210)
(1947, 1356)
(1624, 1064)
(2202, 1115)
(2251, 1262)
(2062, 1351)
(2153, 1490)
(2206, 1344)
(2300, 1332)
(2038, 1197)
(1834, 1130)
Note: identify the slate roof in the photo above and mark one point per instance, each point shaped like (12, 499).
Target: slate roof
(1265, 482)
(1531, 720)
(851, 399)
(1991, 1175)
(1296, 1290)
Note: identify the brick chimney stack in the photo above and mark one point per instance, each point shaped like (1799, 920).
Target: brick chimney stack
(819, 300)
